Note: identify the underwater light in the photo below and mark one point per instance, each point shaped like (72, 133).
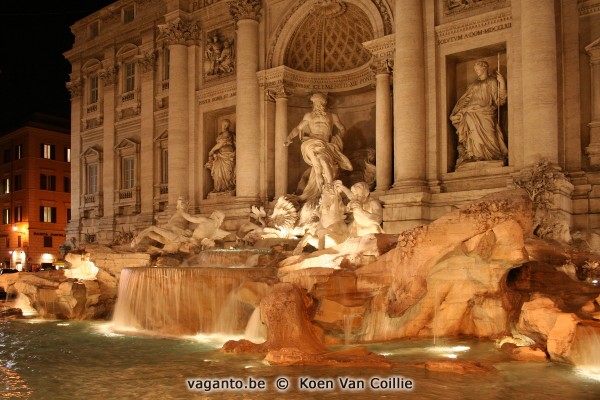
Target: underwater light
(63, 324)
(453, 356)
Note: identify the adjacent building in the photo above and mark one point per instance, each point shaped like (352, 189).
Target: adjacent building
(35, 192)
(153, 82)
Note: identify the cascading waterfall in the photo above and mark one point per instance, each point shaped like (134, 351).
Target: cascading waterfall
(183, 301)
(586, 349)
(255, 329)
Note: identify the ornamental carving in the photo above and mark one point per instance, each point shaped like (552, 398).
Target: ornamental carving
(329, 39)
(108, 75)
(382, 66)
(180, 32)
(458, 6)
(245, 9)
(219, 54)
(147, 61)
(75, 88)
(277, 91)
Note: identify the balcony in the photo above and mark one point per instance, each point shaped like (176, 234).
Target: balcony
(129, 96)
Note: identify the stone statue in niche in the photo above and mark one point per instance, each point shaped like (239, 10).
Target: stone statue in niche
(367, 212)
(219, 55)
(221, 160)
(475, 117)
(321, 146)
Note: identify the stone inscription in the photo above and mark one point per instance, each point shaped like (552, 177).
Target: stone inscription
(475, 33)
(217, 98)
(200, 4)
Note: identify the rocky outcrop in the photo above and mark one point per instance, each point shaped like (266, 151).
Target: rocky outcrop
(291, 337)
(446, 279)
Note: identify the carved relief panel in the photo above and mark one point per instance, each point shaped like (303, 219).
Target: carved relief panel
(219, 53)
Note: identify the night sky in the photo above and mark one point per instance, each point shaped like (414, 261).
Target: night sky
(33, 36)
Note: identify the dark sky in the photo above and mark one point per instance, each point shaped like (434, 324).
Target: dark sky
(33, 71)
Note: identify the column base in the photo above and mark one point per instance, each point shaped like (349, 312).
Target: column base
(405, 210)
(593, 153)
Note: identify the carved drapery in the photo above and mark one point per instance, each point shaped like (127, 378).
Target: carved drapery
(180, 32)
(245, 9)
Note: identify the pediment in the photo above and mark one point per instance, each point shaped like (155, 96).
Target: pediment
(593, 49)
(92, 151)
(126, 143)
(162, 136)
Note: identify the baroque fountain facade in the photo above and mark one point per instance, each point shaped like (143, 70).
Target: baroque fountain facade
(324, 172)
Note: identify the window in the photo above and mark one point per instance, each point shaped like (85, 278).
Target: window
(6, 216)
(47, 241)
(67, 154)
(6, 155)
(68, 214)
(67, 184)
(92, 178)
(47, 214)
(18, 214)
(164, 164)
(47, 182)
(19, 241)
(93, 79)
(5, 185)
(7, 242)
(167, 64)
(128, 14)
(93, 29)
(48, 151)
(129, 77)
(17, 182)
(18, 152)
(128, 172)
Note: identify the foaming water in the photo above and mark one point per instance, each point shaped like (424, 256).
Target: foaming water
(85, 360)
(586, 351)
(183, 301)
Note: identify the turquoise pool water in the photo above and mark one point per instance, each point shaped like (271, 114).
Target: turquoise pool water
(86, 360)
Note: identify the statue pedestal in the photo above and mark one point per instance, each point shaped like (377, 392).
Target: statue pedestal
(220, 195)
(480, 165)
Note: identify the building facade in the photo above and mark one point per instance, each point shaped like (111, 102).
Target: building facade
(35, 193)
(154, 81)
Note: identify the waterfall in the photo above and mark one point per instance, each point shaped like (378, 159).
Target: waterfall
(586, 348)
(183, 301)
(255, 329)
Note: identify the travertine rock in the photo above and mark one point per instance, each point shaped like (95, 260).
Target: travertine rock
(446, 278)
(292, 339)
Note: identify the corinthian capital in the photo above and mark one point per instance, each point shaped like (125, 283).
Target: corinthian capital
(382, 66)
(180, 32)
(244, 9)
(74, 87)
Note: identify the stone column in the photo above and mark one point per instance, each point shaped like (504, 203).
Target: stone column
(281, 132)
(540, 109)
(77, 186)
(246, 15)
(179, 34)
(383, 124)
(146, 160)
(409, 97)
(107, 190)
(593, 150)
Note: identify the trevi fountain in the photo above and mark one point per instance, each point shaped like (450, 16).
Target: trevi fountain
(317, 291)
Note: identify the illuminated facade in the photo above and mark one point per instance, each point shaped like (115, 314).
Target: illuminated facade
(153, 81)
(35, 199)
